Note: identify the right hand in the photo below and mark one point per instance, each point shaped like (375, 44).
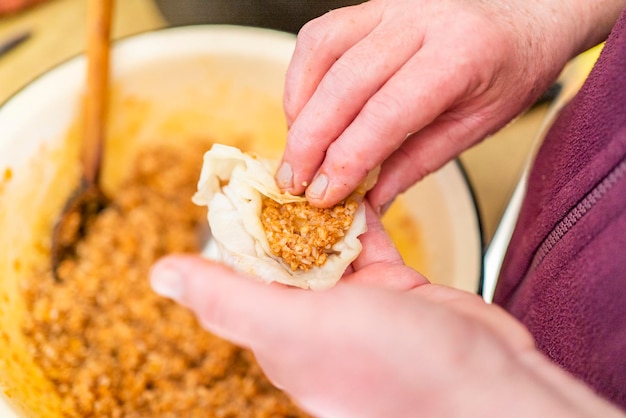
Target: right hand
(412, 83)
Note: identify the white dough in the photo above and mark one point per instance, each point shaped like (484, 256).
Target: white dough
(232, 185)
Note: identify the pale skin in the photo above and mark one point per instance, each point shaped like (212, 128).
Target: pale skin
(409, 84)
(406, 84)
(383, 342)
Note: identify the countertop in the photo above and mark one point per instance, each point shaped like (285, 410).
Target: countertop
(57, 32)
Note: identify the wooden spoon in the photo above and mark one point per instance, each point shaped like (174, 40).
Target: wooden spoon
(88, 200)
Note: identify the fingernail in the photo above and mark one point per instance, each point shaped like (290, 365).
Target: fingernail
(167, 282)
(317, 189)
(284, 176)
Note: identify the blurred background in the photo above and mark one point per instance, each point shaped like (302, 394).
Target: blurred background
(285, 15)
(38, 34)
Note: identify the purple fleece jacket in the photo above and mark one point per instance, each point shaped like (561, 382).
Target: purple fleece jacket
(564, 275)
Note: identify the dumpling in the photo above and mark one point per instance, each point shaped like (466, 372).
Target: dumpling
(275, 236)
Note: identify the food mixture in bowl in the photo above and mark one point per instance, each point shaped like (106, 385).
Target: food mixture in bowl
(111, 346)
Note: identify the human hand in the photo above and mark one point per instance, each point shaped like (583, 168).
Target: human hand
(359, 350)
(412, 83)
(383, 342)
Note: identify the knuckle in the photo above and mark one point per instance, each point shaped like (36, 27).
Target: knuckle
(383, 113)
(340, 80)
(304, 143)
(408, 163)
(316, 32)
(347, 163)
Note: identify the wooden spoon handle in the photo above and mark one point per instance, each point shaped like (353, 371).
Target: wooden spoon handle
(98, 44)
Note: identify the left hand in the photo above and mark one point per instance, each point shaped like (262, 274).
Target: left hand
(382, 342)
(332, 349)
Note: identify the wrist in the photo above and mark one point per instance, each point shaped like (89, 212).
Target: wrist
(595, 20)
(524, 385)
(535, 386)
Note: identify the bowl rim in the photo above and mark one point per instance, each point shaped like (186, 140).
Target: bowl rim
(13, 106)
(481, 234)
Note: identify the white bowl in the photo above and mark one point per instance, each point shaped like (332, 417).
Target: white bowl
(172, 85)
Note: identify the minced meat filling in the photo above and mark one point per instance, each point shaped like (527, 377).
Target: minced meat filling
(109, 344)
(303, 235)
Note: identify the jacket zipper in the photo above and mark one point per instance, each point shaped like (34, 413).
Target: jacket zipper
(575, 214)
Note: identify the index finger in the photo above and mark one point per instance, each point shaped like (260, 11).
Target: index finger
(320, 43)
(332, 75)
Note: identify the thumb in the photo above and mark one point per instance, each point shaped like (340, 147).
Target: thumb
(225, 302)
(311, 344)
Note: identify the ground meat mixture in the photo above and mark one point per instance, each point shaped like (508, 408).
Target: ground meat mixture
(114, 348)
(304, 235)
